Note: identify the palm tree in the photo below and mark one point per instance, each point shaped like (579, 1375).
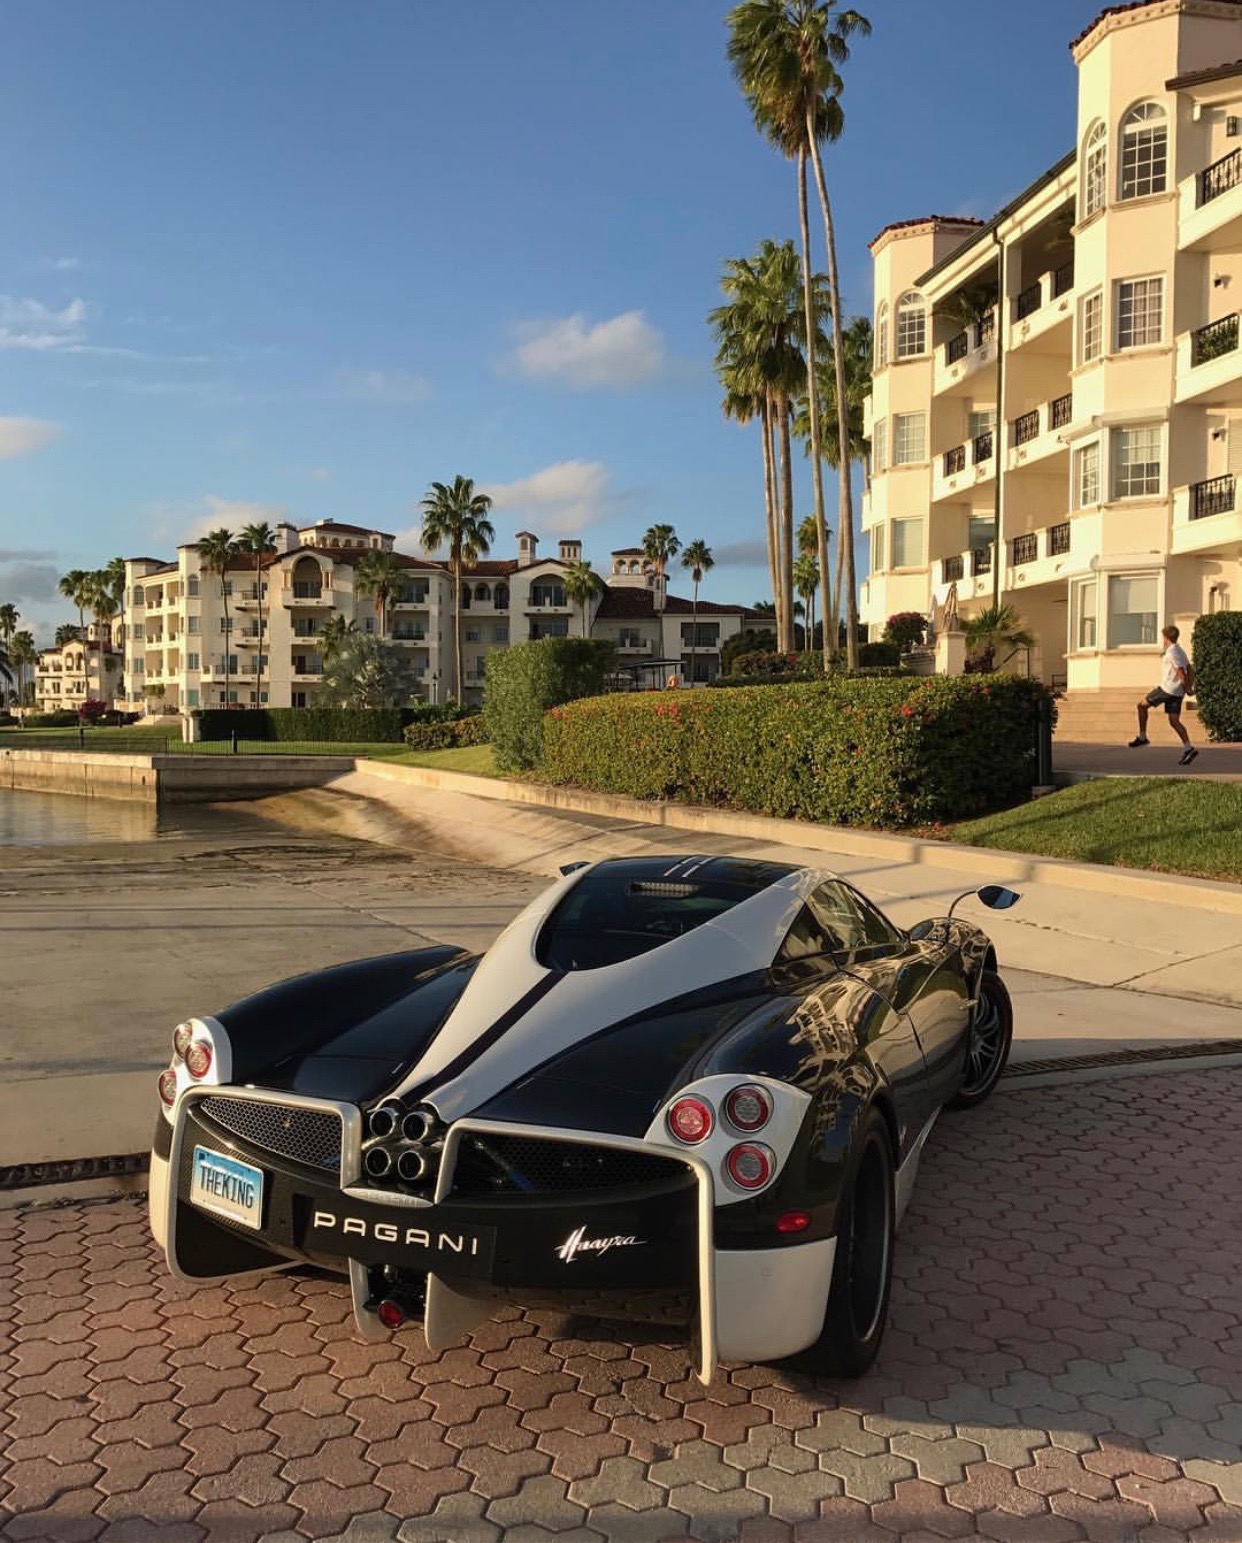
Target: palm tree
(335, 634)
(993, 629)
(258, 541)
(377, 575)
(9, 617)
(660, 546)
(216, 550)
(786, 56)
(66, 633)
(806, 582)
(457, 517)
(582, 584)
(367, 672)
(78, 588)
(6, 671)
(697, 557)
(858, 343)
(23, 654)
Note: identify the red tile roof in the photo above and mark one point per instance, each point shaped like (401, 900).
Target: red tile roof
(356, 530)
(1120, 10)
(624, 602)
(927, 219)
(1205, 77)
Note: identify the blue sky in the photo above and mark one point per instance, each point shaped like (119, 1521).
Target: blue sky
(297, 259)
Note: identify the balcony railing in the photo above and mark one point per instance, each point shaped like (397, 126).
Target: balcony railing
(1061, 411)
(307, 591)
(985, 329)
(1220, 176)
(952, 568)
(955, 460)
(981, 447)
(1216, 496)
(409, 635)
(1023, 549)
(1062, 280)
(1026, 428)
(957, 347)
(1058, 539)
(1030, 300)
(980, 560)
(1214, 341)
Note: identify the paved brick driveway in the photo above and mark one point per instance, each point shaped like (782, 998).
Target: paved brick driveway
(1064, 1361)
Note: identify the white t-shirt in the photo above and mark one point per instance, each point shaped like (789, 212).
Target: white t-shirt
(1174, 659)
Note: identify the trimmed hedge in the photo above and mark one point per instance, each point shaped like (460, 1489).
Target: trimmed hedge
(840, 751)
(446, 735)
(1217, 652)
(524, 681)
(882, 653)
(317, 725)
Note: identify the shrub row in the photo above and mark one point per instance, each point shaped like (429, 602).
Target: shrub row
(840, 751)
(1217, 653)
(321, 725)
(524, 681)
(446, 735)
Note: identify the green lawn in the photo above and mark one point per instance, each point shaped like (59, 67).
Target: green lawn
(1171, 824)
(469, 758)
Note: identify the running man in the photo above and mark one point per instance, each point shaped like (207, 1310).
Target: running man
(1169, 694)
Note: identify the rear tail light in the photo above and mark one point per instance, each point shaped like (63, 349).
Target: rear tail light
(750, 1165)
(690, 1121)
(793, 1221)
(391, 1314)
(748, 1108)
(168, 1087)
(198, 1059)
(182, 1036)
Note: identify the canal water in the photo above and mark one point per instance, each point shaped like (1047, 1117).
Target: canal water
(63, 819)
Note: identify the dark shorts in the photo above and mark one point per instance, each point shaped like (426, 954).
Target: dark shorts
(1171, 703)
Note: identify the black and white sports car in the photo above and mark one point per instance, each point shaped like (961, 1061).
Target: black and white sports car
(685, 1091)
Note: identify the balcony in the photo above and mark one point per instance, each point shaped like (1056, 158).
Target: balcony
(1210, 206)
(306, 594)
(245, 597)
(971, 571)
(1039, 556)
(635, 646)
(407, 598)
(1037, 434)
(964, 467)
(964, 355)
(409, 635)
(1206, 517)
(1209, 364)
(1041, 307)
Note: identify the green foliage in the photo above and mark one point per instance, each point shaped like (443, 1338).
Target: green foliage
(447, 734)
(874, 752)
(312, 725)
(881, 653)
(365, 672)
(751, 641)
(526, 680)
(65, 720)
(1217, 650)
(905, 628)
(765, 664)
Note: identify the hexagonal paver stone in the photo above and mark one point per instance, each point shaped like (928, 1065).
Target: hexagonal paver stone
(620, 1481)
(542, 1501)
(794, 1497)
(715, 1516)
(456, 1519)
(696, 1463)
(943, 1461)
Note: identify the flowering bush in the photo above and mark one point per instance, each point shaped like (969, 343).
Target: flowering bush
(905, 628)
(767, 663)
(446, 734)
(850, 751)
(92, 711)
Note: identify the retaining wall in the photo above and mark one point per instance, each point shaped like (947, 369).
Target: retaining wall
(174, 779)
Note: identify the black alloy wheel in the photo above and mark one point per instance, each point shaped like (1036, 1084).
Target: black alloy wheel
(987, 1049)
(862, 1271)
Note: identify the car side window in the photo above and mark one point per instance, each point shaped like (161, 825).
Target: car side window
(843, 912)
(808, 938)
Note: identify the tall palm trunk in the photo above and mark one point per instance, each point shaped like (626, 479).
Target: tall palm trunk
(258, 589)
(694, 631)
(456, 567)
(769, 504)
(228, 636)
(786, 524)
(812, 401)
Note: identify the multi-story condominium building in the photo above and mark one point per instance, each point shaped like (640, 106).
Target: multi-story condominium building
(1056, 413)
(183, 653)
(78, 671)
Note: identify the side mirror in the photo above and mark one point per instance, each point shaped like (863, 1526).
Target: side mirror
(995, 896)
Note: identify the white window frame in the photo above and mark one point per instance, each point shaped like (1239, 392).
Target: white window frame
(910, 326)
(1091, 452)
(881, 336)
(1110, 643)
(1094, 170)
(1078, 589)
(877, 548)
(1132, 309)
(1089, 304)
(1117, 438)
(1144, 148)
(903, 451)
(879, 445)
(915, 520)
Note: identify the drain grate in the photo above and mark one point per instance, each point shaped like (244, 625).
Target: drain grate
(1182, 1052)
(71, 1171)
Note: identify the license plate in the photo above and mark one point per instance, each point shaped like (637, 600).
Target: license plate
(227, 1187)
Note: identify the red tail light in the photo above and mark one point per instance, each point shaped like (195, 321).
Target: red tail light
(181, 1040)
(690, 1120)
(793, 1221)
(391, 1314)
(198, 1059)
(750, 1164)
(748, 1108)
(168, 1087)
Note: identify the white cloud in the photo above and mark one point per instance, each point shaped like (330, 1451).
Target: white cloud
(741, 554)
(623, 351)
(397, 386)
(186, 522)
(28, 581)
(31, 324)
(23, 436)
(321, 473)
(562, 498)
(66, 264)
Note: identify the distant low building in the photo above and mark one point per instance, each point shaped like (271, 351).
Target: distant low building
(78, 671)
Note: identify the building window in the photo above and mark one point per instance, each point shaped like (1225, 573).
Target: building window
(368, 625)
(1136, 462)
(139, 630)
(1140, 312)
(547, 593)
(191, 661)
(1087, 475)
(192, 625)
(191, 696)
(911, 326)
(879, 445)
(482, 592)
(1095, 170)
(1084, 599)
(1133, 609)
(502, 597)
(226, 624)
(500, 634)
(1144, 151)
(877, 549)
(472, 634)
(909, 438)
(979, 420)
(1091, 327)
(907, 543)
(881, 336)
(191, 586)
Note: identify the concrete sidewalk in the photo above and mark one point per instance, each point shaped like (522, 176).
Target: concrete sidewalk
(1076, 763)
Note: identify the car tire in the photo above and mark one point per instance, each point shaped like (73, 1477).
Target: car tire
(987, 1049)
(862, 1271)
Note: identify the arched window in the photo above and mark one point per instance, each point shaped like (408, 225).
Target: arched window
(465, 597)
(482, 592)
(881, 336)
(1094, 170)
(911, 325)
(502, 597)
(1144, 150)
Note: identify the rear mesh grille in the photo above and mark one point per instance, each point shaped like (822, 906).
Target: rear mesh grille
(310, 1136)
(498, 1165)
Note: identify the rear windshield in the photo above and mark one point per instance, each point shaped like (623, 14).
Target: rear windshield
(607, 917)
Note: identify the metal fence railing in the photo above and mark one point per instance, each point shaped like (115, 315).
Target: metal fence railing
(123, 742)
